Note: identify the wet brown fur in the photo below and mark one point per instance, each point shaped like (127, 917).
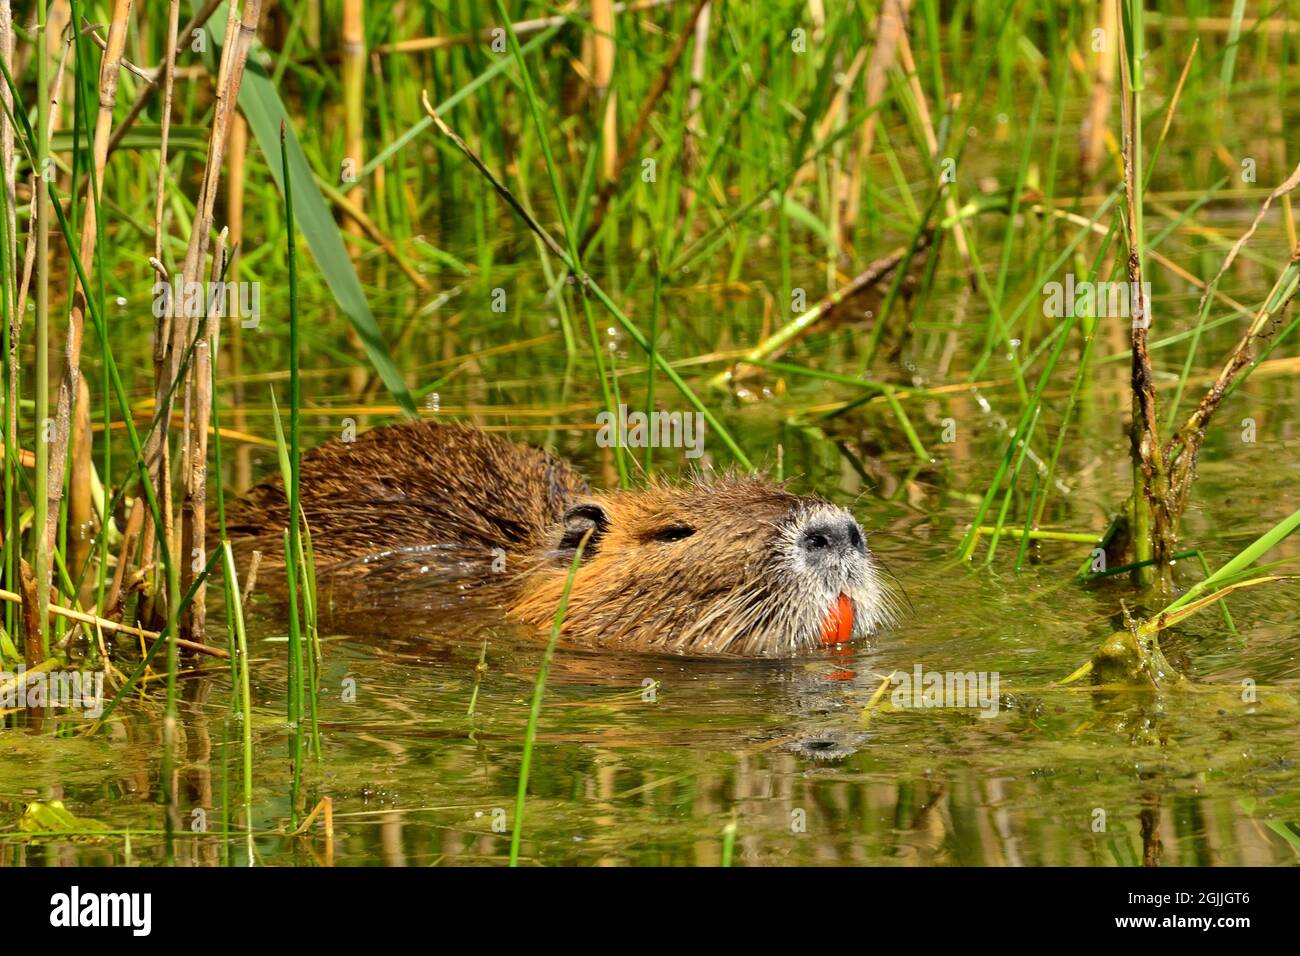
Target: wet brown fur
(412, 484)
(636, 589)
(512, 515)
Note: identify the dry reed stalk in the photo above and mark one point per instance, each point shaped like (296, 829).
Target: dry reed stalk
(24, 456)
(9, 257)
(139, 518)
(182, 329)
(890, 26)
(125, 559)
(353, 52)
(36, 624)
(162, 330)
(80, 510)
(146, 95)
(110, 66)
(8, 168)
(236, 159)
(378, 174)
(32, 612)
(1092, 133)
(212, 355)
(353, 78)
(55, 113)
(250, 581)
(198, 394)
(169, 83)
(20, 287)
(836, 180)
(602, 55)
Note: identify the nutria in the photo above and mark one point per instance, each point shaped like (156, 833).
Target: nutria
(717, 564)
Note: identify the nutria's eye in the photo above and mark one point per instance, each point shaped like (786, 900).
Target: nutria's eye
(672, 533)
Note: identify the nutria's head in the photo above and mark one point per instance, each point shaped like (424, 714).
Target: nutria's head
(728, 566)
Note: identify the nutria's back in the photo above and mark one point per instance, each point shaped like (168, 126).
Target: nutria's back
(411, 485)
(714, 565)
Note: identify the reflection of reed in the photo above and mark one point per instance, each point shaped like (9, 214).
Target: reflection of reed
(930, 825)
(1150, 822)
(996, 834)
(198, 774)
(390, 838)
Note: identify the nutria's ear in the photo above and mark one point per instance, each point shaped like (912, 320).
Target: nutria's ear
(578, 520)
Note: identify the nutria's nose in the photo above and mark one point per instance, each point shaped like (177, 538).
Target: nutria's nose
(837, 536)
